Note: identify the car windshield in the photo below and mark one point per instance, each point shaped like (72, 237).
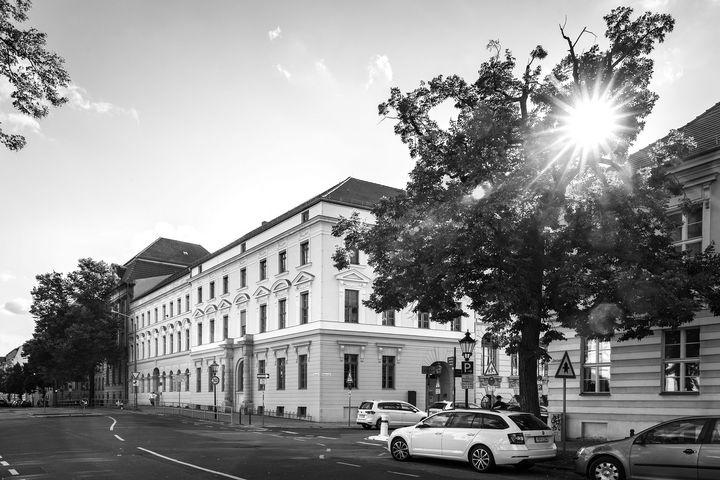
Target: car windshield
(366, 405)
(526, 421)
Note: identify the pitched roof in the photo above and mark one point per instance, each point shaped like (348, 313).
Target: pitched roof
(705, 130)
(162, 257)
(351, 192)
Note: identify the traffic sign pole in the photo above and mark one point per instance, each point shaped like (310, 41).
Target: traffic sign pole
(565, 370)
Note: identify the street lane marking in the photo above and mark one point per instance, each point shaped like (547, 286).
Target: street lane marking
(291, 433)
(13, 471)
(4, 463)
(119, 438)
(348, 464)
(404, 474)
(190, 464)
(327, 438)
(113, 425)
(373, 444)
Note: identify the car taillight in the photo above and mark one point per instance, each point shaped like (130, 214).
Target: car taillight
(516, 438)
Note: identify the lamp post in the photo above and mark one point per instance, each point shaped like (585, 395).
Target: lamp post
(349, 383)
(467, 345)
(215, 380)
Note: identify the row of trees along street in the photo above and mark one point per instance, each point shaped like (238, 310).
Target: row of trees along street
(528, 205)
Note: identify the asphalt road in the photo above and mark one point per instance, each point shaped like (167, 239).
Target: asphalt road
(125, 445)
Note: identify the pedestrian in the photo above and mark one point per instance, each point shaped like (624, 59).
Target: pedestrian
(152, 398)
(499, 404)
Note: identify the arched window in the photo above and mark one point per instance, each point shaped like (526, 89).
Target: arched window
(187, 380)
(171, 380)
(240, 383)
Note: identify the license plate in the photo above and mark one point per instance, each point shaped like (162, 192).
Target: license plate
(541, 440)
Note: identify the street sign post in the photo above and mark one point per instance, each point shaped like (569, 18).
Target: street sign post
(565, 370)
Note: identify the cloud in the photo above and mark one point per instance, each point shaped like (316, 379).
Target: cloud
(379, 68)
(284, 72)
(18, 306)
(275, 34)
(78, 99)
(17, 122)
(6, 277)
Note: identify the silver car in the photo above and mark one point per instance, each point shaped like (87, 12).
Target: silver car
(397, 412)
(680, 449)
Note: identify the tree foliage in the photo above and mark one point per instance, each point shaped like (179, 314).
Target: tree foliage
(34, 73)
(502, 209)
(74, 330)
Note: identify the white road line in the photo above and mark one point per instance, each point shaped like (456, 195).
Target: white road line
(404, 474)
(4, 463)
(113, 424)
(190, 465)
(321, 444)
(291, 433)
(119, 438)
(322, 457)
(327, 438)
(348, 464)
(373, 444)
(13, 471)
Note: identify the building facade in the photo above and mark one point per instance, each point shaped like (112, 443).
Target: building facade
(635, 384)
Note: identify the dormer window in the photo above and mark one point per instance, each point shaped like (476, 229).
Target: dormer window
(305, 216)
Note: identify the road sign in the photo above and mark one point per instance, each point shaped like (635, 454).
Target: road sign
(135, 375)
(467, 368)
(468, 381)
(215, 379)
(565, 369)
(490, 369)
(451, 361)
(263, 375)
(135, 383)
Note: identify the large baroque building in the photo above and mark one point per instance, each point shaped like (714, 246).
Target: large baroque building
(635, 384)
(272, 302)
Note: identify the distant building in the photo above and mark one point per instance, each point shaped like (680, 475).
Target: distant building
(634, 384)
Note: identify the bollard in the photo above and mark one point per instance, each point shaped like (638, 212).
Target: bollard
(384, 426)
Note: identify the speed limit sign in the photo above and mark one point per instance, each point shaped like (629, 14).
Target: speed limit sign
(215, 379)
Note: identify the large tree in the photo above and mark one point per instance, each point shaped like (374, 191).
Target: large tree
(519, 208)
(35, 74)
(75, 331)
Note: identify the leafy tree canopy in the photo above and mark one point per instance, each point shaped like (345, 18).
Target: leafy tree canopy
(74, 330)
(509, 208)
(34, 73)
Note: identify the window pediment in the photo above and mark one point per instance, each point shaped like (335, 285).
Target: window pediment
(352, 277)
(242, 298)
(280, 286)
(261, 292)
(303, 278)
(224, 305)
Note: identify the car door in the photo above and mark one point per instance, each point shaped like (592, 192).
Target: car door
(389, 409)
(460, 430)
(405, 414)
(426, 437)
(668, 451)
(709, 458)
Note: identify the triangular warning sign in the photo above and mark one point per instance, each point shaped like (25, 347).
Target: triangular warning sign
(565, 369)
(490, 369)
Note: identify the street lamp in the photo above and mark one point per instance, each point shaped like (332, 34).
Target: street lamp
(215, 380)
(467, 345)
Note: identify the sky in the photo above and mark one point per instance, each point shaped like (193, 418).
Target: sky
(197, 121)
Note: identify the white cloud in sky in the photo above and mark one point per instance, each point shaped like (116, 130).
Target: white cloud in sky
(275, 34)
(18, 306)
(6, 276)
(284, 72)
(379, 68)
(78, 98)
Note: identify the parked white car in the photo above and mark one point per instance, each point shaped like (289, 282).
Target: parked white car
(484, 438)
(398, 413)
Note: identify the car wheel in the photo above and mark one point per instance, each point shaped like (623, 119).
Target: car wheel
(481, 458)
(365, 426)
(606, 468)
(399, 449)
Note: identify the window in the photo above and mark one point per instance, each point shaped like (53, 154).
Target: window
(179, 341)
(282, 262)
(350, 371)
(156, 315)
(179, 306)
(282, 312)
(187, 339)
(212, 330)
(225, 327)
(142, 316)
(199, 333)
(187, 303)
(304, 307)
(243, 278)
(164, 308)
(302, 372)
(225, 284)
(240, 383)
(243, 322)
(263, 318)
(172, 342)
(198, 379)
(222, 378)
(157, 350)
(596, 366)
(280, 374)
(171, 309)
(261, 369)
(388, 317)
(514, 365)
(212, 290)
(679, 432)
(305, 216)
(304, 253)
(688, 232)
(681, 360)
(423, 320)
(388, 371)
(456, 325)
(263, 269)
(352, 300)
(199, 295)
(354, 256)
(243, 247)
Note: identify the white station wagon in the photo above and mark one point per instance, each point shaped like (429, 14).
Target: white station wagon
(484, 438)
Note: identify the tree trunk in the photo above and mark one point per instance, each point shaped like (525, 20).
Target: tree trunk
(527, 365)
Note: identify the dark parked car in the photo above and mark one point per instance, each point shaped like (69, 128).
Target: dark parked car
(4, 403)
(680, 449)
